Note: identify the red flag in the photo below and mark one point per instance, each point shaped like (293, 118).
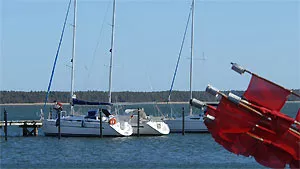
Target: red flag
(265, 93)
(261, 142)
(295, 164)
(298, 119)
(270, 156)
(248, 144)
(212, 126)
(278, 122)
(233, 118)
(288, 142)
(237, 142)
(298, 115)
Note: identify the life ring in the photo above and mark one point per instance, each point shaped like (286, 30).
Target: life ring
(112, 121)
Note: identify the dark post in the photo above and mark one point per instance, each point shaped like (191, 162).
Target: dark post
(58, 118)
(35, 133)
(182, 120)
(100, 113)
(25, 131)
(5, 127)
(138, 123)
(50, 113)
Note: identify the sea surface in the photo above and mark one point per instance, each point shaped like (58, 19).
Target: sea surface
(171, 151)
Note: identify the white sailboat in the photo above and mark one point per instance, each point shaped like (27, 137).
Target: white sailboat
(146, 125)
(88, 125)
(192, 123)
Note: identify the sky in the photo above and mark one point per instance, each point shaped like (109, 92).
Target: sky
(262, 36)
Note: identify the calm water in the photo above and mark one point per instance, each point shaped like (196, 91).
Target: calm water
(172, 151)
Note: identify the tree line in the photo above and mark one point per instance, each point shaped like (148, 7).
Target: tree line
(101, 96)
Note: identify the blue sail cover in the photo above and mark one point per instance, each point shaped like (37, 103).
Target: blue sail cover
(82, 102)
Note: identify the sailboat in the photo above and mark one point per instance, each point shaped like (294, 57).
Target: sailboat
(193, 123)
(92, 124)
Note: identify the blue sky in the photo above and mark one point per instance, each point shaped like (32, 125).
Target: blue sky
(263, 36)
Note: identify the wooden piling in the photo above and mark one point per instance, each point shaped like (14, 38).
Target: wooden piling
(58, 118)
(183, 121)
(35, 130)
(100, 112)
(26, 132)
(138, 123)
(5, 127)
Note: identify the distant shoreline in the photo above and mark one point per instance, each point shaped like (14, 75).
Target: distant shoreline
(119, 103)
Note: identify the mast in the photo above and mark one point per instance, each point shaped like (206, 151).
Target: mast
(111, 51)
(192, 54)
(73, 57)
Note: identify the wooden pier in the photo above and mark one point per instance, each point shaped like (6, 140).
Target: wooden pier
(30, 127)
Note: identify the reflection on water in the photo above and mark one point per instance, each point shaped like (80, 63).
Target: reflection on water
(173, 151)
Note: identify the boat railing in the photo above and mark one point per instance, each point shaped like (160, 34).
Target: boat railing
(53, 114)
(63, 113)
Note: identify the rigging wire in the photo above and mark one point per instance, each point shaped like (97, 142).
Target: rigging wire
(179, 56)
(56, 56)
(182, 43)
(99, 39)
(155, 102)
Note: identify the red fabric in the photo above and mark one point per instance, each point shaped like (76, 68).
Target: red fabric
(298, 118)
(264, 132)
(275, 151)
(60, 104)
(238, 143)
(280, 122)
(233, 118)
(266, 94)
(288, 142)
(271, 156)
(212, 126)
(298, 115)
(295, 164)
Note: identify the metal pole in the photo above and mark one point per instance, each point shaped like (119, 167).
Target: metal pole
(192, 54)
(73, 57)
(101, 133)
(59, 134)
(182, 120)
(5, 127)
(50, 116)
(138, 123)
(111, 51)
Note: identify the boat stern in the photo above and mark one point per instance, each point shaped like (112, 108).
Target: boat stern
(123, 128)
(161, 127)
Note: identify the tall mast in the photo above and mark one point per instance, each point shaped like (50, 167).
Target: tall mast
(111, 52)
(192, 53)
(73, 57)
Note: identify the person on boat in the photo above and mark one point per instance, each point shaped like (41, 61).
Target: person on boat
(57, 106)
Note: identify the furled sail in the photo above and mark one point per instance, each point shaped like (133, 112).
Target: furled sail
(82, 102)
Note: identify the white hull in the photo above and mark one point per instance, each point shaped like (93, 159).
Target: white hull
(147, 126)
(90, 127)
(192, 124)
(150, 128)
